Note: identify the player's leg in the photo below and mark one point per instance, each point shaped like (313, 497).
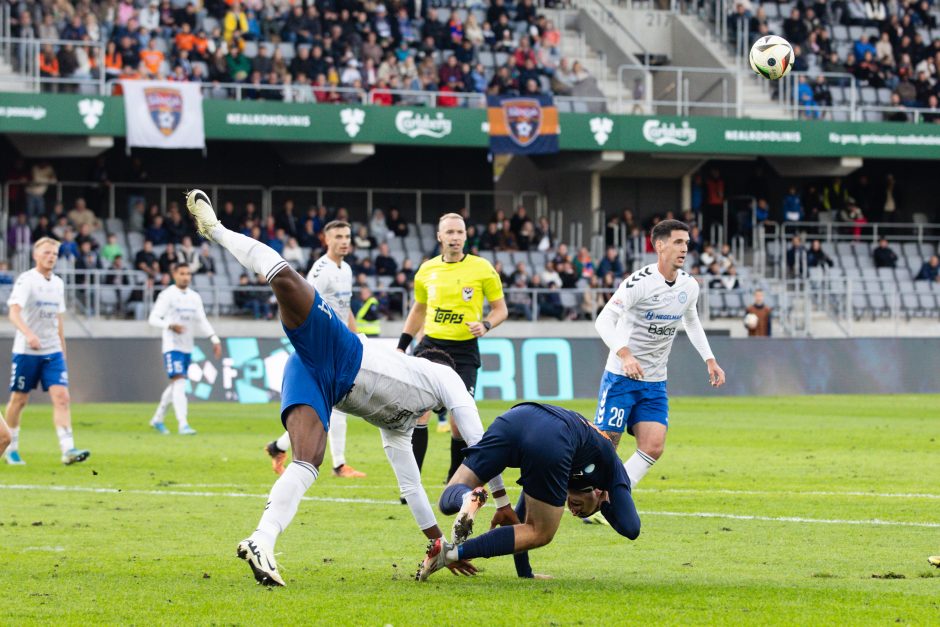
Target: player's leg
(419, 439)
(337, 437)
(181, 405)
(277, 450)
(648, 422)
(166, 398)
(397, 447)
(294, 295)
(467, 369)
(62, 417)
(5, 436)
(18, 401)
(308, 443)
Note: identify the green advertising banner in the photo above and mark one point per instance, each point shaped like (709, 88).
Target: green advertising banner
(467, 128)
(61, 114)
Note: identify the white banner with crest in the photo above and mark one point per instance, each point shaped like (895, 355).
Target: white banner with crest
(163, 114)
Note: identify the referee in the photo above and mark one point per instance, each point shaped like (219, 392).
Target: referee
(449, 293)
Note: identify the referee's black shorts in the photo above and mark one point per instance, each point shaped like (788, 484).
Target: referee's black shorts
(466, 356)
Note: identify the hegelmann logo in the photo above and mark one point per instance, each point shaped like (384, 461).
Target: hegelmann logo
(661, 134)
(423, 125)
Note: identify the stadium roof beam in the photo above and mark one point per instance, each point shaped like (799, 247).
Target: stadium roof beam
(60, 146)
(325, 154)
(579, 161)
(818, 166)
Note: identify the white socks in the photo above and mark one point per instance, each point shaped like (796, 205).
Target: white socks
(637, 466)
(283, 442)
(180, 404)
(337, 437)
(165, 399)
(66, 441)
(283, 502)
(15, 439)
(255, 256)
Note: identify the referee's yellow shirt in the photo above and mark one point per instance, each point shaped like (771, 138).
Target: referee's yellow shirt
(454, 294)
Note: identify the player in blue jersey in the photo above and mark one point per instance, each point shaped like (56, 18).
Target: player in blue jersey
(562, 459)
(639, 324)
(37, 305)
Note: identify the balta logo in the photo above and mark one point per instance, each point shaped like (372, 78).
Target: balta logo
(423, 125)
(352, 120)
(91, 111)
(166, 108)
(601, 128)
(660, 133)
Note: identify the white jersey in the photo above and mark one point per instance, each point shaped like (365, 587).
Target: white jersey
(42, 301)
(334, 284)
(644, 315)
(184, 307)
(393, 390)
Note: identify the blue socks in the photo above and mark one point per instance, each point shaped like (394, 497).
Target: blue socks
(452, 499)
(523, 568)
(499, 541)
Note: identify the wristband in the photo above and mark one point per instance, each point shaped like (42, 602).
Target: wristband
(501, 501)
(487, 325)
(215, 339)
(405, 341)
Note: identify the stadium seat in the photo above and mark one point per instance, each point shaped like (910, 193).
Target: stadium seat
(413, 244)
(202, 281)
(869, 95)
(884, 96)
(840, 33)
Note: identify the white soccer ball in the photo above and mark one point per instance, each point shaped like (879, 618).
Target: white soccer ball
(750, 321)
(771, 57)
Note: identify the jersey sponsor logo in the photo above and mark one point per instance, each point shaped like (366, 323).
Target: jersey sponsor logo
(467, 294)
(683, 297)
(650, 315)
(663, 331)
(668, 298)
(447, 316)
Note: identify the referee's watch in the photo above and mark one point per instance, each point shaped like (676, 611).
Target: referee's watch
(487, 325)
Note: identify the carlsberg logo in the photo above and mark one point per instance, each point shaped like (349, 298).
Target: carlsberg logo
(423, 125)
(661, 134)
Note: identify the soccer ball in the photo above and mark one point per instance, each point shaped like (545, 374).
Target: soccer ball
(771, 57)
(750, 321)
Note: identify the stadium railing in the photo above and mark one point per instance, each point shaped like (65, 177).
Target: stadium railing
(23, 56)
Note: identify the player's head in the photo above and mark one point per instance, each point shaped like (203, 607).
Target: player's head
(452, 234)
(436, 356)
(182, 276)
(671, 240)
(584, 502)
(46, 253)
(338, 234)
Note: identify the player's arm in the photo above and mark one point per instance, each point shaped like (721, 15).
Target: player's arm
(413, 324)
(619, 508)
(626, 296)
(16, 317)
(696, 332)
(61, 318)
(157, 317)
(493, 292)
(202, 320)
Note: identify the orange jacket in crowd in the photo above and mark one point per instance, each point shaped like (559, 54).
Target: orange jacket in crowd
(152, 59)
(48, 66)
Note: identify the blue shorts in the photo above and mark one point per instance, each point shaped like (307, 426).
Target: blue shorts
(176, 363)
(28, 370)
(623, 402)
(326, 363)
(536, 441)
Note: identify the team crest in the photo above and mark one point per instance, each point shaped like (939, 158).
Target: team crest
(467, 293)
(523, 119)
(166, 108)
(683, 297)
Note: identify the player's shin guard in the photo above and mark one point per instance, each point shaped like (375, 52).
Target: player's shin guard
(456, 456)
(523, 567)
(637, 466)
(419, 444)
(452, 498)
(337, 438)
(283, 442)
(252, 254)
(499, 541)
(283, 501)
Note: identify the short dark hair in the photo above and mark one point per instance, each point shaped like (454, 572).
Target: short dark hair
(664, 229)
(180, 264)
(437, 356)
(336, 224)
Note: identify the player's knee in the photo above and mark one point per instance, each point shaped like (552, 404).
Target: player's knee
(653, 449)
(61, 398)
(18, 401)
(541, 537)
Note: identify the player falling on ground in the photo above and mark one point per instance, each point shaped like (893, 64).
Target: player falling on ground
(639, 324)
(332, 278)
(334, 367)
(37, 305)
(179, 311)
(561, 457)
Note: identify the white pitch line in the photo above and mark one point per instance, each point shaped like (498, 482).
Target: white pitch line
(325, 499)
(880, 495)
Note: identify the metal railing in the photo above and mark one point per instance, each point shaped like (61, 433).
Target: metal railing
(23, 55)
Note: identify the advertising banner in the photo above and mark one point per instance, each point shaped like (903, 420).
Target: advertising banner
(163, 114)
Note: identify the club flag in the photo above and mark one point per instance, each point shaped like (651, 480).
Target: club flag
(163, 114)
(524, 125)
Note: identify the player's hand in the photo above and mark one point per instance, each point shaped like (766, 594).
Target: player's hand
(217, 351)
(32, 340)
(463, 567)
(631, 368)
(504, 517)
(716, 376)
(177, 328)
(476, 328)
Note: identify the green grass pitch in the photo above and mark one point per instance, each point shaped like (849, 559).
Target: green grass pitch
(815, 510)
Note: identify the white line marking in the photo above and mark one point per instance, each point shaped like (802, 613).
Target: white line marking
(881, 495)
(326, 499)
